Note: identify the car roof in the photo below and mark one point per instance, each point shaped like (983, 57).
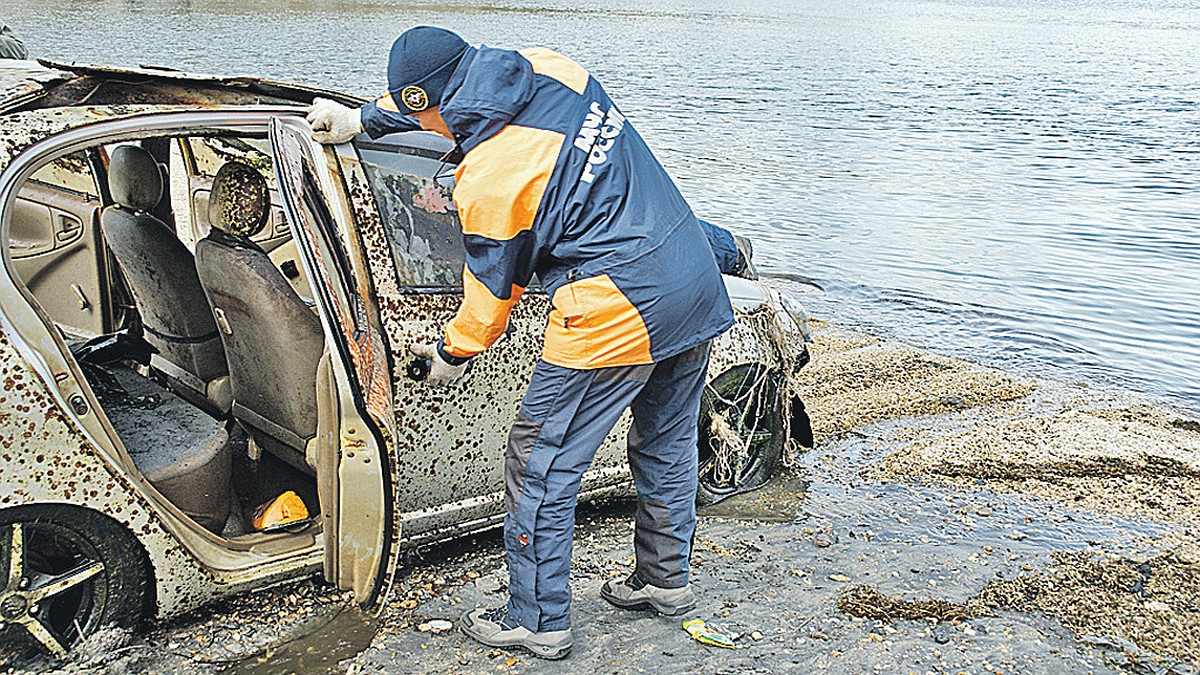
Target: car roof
(23, 82)
(42, 98)
(28, 85)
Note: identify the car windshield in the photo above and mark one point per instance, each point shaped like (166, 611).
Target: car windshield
(412, 184)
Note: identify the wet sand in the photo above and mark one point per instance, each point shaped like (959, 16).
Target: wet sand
(951, 518)
(1093, 452)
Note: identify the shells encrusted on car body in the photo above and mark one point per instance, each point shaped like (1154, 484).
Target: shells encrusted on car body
(154, 401)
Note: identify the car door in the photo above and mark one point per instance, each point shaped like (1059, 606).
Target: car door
(452, 444)
(356, 471)
(56, 245)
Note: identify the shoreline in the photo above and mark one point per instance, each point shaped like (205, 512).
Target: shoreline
(1062, 515)
(1068, 445)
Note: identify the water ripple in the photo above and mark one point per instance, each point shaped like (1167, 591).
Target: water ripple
(1014, 181)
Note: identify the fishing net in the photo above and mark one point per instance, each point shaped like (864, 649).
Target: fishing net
(741, 413)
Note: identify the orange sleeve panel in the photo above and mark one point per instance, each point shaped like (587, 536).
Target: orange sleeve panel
(500, 183)
(593, 325)
(385, 102)
(499, 187)
(481, 319)
(552, 64)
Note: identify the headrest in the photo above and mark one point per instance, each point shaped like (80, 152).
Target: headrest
(240, 200)
(134, 179)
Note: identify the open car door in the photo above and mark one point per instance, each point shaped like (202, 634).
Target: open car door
(355, 462)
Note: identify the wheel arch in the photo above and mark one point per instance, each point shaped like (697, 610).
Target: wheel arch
(149, 599)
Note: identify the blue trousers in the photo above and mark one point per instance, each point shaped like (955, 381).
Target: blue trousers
(565, 415)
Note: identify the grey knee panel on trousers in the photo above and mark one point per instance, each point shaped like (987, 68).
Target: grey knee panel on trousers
(565, 416)
(662, 456)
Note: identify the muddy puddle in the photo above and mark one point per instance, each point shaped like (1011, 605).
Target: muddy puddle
(779, 501)
(318, 649)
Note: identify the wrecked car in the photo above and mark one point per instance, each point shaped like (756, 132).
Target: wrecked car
(197, 402)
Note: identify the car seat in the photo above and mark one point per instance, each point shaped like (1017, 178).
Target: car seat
(161, 275)
(272, 338)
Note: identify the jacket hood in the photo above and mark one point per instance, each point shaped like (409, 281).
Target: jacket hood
(488, 88)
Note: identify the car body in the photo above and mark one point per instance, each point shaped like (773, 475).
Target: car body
(110, 512)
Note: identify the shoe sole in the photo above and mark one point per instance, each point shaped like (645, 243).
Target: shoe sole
(548, 656)
(648, 603)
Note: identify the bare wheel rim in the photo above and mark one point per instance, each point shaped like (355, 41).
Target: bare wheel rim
(54, 584)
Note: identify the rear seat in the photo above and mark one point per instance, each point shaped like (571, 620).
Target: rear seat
(184, 453)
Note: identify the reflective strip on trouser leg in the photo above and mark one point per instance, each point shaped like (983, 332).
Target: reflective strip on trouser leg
(662, 457)
(565, 415)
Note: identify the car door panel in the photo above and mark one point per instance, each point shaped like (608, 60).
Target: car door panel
(453, 439)
(356, 496)
(57, 253)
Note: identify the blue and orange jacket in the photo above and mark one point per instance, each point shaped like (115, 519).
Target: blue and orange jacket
(556, 182)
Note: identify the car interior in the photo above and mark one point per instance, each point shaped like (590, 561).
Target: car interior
(169, 270)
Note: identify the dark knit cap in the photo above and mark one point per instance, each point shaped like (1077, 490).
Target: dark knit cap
(420, 65)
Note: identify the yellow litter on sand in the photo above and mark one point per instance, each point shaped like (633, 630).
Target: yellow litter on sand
(709, 635)
(284, 510)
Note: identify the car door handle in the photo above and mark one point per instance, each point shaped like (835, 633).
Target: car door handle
(68, 228)
(418, 369)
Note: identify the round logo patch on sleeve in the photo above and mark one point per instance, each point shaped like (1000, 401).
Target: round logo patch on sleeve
(415, 98)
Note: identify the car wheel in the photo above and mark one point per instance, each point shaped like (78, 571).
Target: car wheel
(66, 573)
(739, 451)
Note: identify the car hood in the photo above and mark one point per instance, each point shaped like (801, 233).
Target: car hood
(747, 296)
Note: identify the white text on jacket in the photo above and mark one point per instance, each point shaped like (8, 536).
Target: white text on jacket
(596, 138)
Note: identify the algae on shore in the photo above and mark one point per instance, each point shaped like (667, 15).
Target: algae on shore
(969, 428)
(1153, 605)
(854, 380)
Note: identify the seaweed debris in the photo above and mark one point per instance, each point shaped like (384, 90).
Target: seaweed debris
(1149, 609)
(867, 601)
(1154, 603)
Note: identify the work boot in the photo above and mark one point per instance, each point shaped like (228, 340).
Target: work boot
(633, 593)
(495, 628)
(744, 267)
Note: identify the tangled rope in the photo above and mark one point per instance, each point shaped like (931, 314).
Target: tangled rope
(781, 346)
(726, 444)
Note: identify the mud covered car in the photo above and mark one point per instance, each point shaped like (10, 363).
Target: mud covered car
(163, 379)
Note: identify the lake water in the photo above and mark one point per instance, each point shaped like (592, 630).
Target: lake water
(1011, 181)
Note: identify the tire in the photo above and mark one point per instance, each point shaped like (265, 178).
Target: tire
(748, 398)
(103, 574)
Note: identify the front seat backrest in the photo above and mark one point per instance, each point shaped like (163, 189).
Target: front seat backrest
(161, 275)
(273, 340)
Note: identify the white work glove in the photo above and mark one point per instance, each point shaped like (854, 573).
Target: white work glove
(333, 122)
(441, 373)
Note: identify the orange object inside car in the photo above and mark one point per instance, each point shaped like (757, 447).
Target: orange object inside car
(280, 512)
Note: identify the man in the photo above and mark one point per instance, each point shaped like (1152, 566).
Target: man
(10, 46)
(556, 182)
